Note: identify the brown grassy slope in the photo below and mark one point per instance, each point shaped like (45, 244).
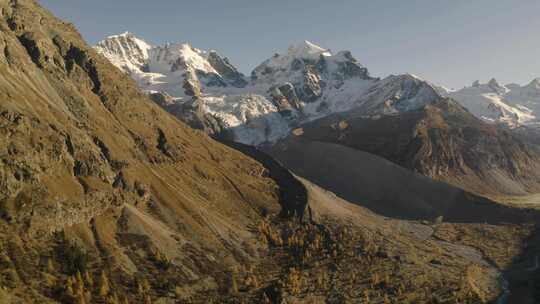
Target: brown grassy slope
(442, 141)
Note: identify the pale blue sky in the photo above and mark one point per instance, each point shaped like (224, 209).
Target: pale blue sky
(449, 42)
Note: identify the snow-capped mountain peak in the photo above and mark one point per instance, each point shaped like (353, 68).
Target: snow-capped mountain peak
(179, 56)
(308, 62)
(176, 68)
(126, 51)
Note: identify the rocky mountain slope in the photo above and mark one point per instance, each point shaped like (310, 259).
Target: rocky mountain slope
(442, 141)
(393, 191)
(106, 198)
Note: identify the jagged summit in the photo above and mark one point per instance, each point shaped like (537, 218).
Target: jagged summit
(493, 81)
(492, 84)
(177, 68)
(495, 86)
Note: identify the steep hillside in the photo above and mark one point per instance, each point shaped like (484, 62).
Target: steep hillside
(442, 141)
(93, 175)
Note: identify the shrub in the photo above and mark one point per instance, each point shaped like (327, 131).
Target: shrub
(74, 259)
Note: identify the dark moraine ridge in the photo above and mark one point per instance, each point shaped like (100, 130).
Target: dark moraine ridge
(293, 194)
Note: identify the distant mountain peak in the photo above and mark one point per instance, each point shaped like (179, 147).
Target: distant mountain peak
(410, 75)
(493, 81)
(492, 84)
(125, 50)
(495, 86)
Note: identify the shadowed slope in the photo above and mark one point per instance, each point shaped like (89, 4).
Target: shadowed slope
(383, 186)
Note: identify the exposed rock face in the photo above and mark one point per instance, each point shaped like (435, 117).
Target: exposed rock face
(350, 67)
(496, 87)
(191, 113)
(285, 98)
(311, 88)
(310, 69)
(396, 95)
(191, 84)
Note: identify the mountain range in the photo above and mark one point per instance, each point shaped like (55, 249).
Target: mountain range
(318, 183)
(305, 82)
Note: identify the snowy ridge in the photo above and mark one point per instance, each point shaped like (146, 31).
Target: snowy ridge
(252, 118)
(399, 93)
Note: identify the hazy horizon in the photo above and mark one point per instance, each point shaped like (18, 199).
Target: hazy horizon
(449, 43)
